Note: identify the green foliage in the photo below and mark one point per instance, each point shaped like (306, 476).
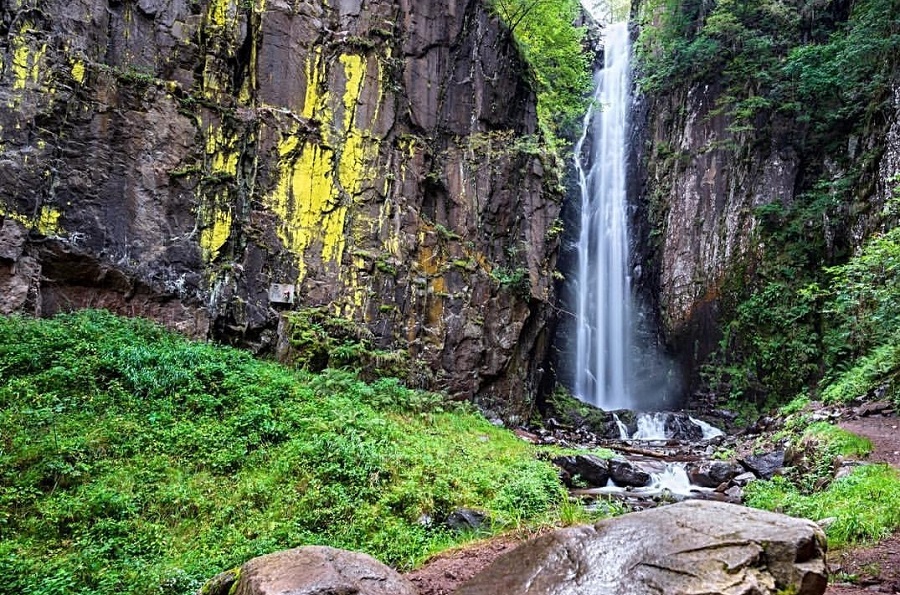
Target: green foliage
(797, 405)
(135, 461)
(865, 504)
(552, 46)
(321, 340)
(516, 280)
(829, 330)
(820, 64)
(837, 440)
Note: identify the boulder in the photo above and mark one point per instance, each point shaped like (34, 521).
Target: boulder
(680, 426)
(627, 474)
(593, 470)
(686, 548)
(744, 478)
(873, 408)
(765, 466)
(466, 519)
(311, 570)
(711, 474)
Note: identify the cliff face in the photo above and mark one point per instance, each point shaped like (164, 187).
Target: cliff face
(727, 167)
(701, 185)
(213, 163)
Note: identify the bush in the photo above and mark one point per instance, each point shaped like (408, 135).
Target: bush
(552, 46)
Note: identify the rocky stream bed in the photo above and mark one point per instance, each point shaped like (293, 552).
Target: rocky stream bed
(648, 473)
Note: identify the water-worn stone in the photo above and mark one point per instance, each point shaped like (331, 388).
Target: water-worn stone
(744, 478)
(627, 474)
(765, 466)
(711, 474)
(591, 469)
(311, 570)
(686, 548)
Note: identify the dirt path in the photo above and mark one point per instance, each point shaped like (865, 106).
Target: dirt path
(444, 573)
(877, 568)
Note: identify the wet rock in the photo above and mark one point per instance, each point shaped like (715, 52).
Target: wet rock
(735, 493)
(591, 469)
(680, 427)
(690, 547)
(744, 478)
(574, 415)
(765, 466)
(311, 570)
(873, 408)
(626, 474)
(466, 519)
(710, 474)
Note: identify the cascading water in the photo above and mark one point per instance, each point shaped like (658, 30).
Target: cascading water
(603, 301)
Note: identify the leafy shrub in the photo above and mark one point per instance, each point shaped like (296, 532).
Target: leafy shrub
(552, 46)
(838, 440)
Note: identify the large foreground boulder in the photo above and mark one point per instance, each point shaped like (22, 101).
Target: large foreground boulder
(690, 548)
(311, 570)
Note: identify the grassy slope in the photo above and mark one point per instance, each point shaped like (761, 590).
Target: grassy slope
(135, 461)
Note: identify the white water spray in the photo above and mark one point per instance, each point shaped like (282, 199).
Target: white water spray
(603, 308)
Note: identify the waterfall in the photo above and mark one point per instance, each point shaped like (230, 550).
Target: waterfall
(603, 293)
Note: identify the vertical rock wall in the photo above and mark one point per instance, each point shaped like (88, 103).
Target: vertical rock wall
(701, 182)
(207, 162)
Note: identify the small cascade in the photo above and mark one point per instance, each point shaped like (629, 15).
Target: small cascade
(651, 426)
(709, 431)
(660, 426)
(623, 429)
(672, 479)
(675, 480)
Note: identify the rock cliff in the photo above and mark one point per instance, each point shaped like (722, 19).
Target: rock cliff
(743, 166)
(216, 163)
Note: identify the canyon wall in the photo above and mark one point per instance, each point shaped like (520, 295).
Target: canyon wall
(214, 164)
(724, 167)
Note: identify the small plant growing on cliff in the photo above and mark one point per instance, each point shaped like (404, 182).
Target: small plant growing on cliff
(552, 46)
(515, 280)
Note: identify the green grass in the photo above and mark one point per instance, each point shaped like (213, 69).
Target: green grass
(865, 504)
(837, 440)
(135, 461)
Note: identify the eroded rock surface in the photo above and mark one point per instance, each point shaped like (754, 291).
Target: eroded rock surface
(311, 570)
(214, 163)
(687, 548)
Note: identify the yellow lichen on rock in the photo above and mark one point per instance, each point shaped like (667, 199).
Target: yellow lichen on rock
(46, 222)
(215, 233)
(221, 14)
(318, 179)
(315, 71)
(215, 217)
(26, 64)
(306, 202)
(78, 71)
